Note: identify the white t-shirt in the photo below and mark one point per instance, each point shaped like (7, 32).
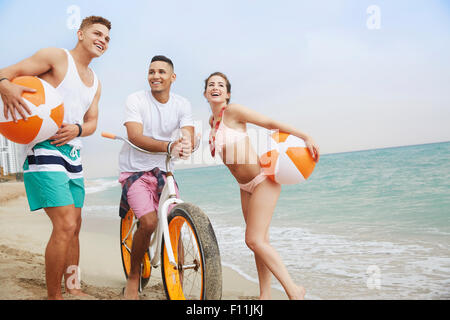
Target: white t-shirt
(159, 120)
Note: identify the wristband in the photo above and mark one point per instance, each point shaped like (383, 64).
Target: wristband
(3, 79)
(80, 130)
(168, 147)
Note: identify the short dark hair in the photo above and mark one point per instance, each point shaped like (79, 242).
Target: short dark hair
(162, 58)
(88, 21)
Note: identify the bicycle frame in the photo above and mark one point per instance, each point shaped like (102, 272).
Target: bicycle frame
(167, 198)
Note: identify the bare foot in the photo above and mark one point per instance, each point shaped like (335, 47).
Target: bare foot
(130, 292)
(265, 297)
(299, 295)
(78, 293)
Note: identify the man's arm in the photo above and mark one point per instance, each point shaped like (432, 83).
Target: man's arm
(68, 132)
(11, 94)
(91, 116)
(179, 148)
(135, 132)
(187, 129)
(189, 133)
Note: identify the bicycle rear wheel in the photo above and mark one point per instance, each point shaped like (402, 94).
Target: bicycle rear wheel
(127, 229)
(198, 275)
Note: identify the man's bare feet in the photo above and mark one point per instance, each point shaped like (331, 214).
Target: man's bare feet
(77, 292)
(130, 292)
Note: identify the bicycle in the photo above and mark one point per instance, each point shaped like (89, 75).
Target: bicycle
(185, 240)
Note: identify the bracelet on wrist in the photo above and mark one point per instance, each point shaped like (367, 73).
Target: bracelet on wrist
(3, 79)
(168, 146)
(80, 129)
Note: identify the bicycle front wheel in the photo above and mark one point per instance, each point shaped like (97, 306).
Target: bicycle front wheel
(198, 274)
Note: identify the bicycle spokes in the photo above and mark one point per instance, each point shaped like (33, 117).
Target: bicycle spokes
(186, 280)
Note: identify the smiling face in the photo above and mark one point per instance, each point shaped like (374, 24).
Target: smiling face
(94, 38)
(217, 90)
(160, 76)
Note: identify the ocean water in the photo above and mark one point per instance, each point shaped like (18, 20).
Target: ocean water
(366, 225)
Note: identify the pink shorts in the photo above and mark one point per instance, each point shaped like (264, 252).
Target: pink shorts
(250, 186)
(142, 195)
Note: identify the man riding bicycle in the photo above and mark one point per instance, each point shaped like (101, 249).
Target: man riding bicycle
(151, 116)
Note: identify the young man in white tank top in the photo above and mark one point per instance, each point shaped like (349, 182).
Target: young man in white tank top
(53, 173)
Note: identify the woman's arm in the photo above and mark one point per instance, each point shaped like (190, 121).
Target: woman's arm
(246, 115)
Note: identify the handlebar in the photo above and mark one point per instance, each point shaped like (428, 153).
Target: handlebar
(108, 135)
(116, 137)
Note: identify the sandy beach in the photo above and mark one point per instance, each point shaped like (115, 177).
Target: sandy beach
(24, 236)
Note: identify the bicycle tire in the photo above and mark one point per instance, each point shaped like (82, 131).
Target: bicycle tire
(206, 249)
(125, 250)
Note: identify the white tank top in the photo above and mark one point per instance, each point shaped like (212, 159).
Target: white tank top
(76, 95)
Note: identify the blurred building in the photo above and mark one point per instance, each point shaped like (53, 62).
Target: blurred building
(8, 157)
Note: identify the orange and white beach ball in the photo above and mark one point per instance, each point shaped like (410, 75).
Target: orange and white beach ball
(47, 113)
(287, 160)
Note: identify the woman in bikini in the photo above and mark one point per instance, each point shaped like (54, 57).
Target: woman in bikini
(259, 195)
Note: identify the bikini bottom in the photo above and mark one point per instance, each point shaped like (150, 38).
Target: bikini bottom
(250, 186)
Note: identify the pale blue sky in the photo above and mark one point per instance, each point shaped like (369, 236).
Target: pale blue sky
(313, 64)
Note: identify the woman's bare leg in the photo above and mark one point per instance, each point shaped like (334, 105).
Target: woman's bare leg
(264, 274)
(259, 215)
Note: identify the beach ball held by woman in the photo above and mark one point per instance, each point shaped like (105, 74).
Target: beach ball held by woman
(47, 113)
(287, 160)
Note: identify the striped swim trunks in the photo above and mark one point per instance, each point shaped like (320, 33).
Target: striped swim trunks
(53, 176)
